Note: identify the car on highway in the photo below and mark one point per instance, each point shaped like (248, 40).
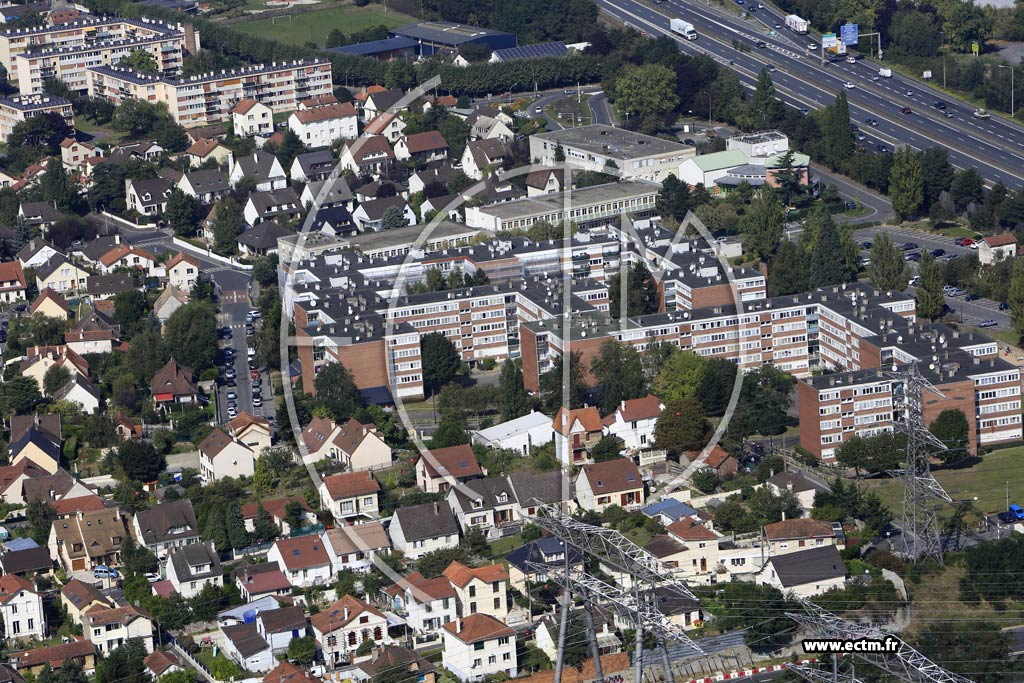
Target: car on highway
(981, 114)
(804, 111)
(882, 148)
(906, 110)
(988, 323)
(861, 137)
(871, 122)
(915, 256)
(940, 105)
(771, 68)
(936, 253)
(777, 26)
(761, 43)
(812, 46)
(849, 85)
(851, 60)
(907, 246)
(909, 93)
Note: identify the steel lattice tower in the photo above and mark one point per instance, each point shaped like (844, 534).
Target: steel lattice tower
(922, 535)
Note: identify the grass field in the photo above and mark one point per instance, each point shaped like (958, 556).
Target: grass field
(987, 479)
(301, 28)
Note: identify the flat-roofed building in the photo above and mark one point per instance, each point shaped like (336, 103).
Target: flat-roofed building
(14, 110)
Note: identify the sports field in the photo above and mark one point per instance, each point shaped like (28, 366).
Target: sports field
(314, 26)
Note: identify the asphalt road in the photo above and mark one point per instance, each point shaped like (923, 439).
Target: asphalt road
(995, 148)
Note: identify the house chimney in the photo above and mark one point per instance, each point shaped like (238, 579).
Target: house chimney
(459, 630)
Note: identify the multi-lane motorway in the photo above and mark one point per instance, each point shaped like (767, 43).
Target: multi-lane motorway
(994, 146)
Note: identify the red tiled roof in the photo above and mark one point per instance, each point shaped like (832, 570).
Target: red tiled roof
(1005, 239)
(640, 408)
(456, 461)
(427, 141)
(613, 476)
(48, 293)
(797, 528)
(11, 271)
(340, 613)
(122, 250)
(203, 147)
(461, 575)
(276, 507)
(589, 418)
(325, 113)
(303, 552)
(477, 627)
(244, 106)
(265, 582)
(690, 529)
(348, 484)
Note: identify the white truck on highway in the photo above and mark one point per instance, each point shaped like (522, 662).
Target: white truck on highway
(796, 24)
(683, 28)
(885, 73)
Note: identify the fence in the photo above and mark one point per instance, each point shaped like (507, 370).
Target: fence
(208, 253)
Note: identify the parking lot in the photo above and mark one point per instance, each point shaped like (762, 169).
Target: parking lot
(236, 361)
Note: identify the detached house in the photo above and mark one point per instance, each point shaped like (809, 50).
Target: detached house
(262, 167)
(350, 495)
(183, 271)
(422, 148)
(109, 628)
(689, 551)
(806, 573)
(280, 626)
(252, 431)
(530, 562)
(21, 608)
(576, 432)
(345, 625)
(75, 154)
(482, 157)
(322, 126)
(370, 215)
(167, 526)
(279, 205)
(173, 384)
(795, 535)
(996, 247)
(489, 504)
(439, 469)
(250, 117)
(354, 546)
(356, 445)
(481, 590)
(633, 421)
(382, 101)
(60, 275)
(220, 457)
(12, 282)
(428, 604)
(261, 239)
(206, 149)
(88, 539)
(312, 166)
(148, 197)
(123, 256)
(386, 125)
(613, 482)
(419, 529)
(278, 508)
(50, 304)
(303, 560)
(192, 568)
(207, 186)
(367, 156)
(477, 646)
(36, 251)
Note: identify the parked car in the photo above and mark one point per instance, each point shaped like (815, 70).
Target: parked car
(915, 256)
(936, 253)
(972, 297)
(865, 245)
(102, 571)
(914, 280)
(232, 396)
(988, 323)
(1003, 306)
(958, 292)
(907, 246)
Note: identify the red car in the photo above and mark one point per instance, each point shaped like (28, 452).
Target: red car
(255, 375)
(964, 241)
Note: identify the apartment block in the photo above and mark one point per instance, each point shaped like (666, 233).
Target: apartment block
(65, 51)
(209, 98)
(14, 110)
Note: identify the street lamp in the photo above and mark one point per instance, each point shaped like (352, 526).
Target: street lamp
(1003, 66)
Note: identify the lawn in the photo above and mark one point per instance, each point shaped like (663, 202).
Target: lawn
(301, 28)
(987, 479)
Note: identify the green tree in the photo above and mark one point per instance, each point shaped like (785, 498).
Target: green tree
(1015, 296)
(40, 518)
(140, 461)
(836, 137)
(140, 60)
(888, 270)
(302, 650)
(124, 664)
(673, 198)
(394, 217)
(763, 403)
(228, 224)
(764, 224)
(55, 377)
(682, 426)
(607, 448)
(936, 174)
(42, 134)
(451, 431)
(951, 428)
(234, 524)
(680, 376)
(135, 117)
(766, 110)
(788, 177)
(400, 74)
(641, 292)
(906, 183)
(190, 335)
(914, 33)
(264, 270)
(182, 213)
(788, 272)
(619, 373)
(206, 603)
(716, 385)
(336, 391)
(20, 395)
(515, 402)
(930, 300)
(551, 383)
(967, 187)
(646, 92)
(131, 312)
(828, 261)
(68, 672)
(56, 188)
(706, 480)
(441, 361)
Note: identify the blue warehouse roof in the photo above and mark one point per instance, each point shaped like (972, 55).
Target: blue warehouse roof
(375, 47)
(555, 49)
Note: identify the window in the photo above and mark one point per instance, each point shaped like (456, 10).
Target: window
(472, 608)
(495, 586)
(31, 624)
(478, 646)
(506, 657)
(477, 662)
(472, 591)
(493, 659)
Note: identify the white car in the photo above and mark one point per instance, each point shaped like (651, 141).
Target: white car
(812, 46)
(851, 60)
(849, 85)
(914, 280)
(232, 396)
(973, 245)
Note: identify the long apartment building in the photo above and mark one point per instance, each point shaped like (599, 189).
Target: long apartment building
(14, 110)
(66, 51)
(208, 98)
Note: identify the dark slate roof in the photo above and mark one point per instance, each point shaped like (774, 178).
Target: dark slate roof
(30, 560)
(115, 283)
(35, 436)
(374, 47)
(547, 487)
(157, 522)
(193, 555)
(488, 491)
(209, 180)
(284, 619)
(246, 639)
(807, 566)
(264, 235)
(333, 216)
(428, 520)
(554, 49)
(542, 551)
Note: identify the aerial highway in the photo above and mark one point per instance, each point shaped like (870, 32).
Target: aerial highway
(994, 147)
